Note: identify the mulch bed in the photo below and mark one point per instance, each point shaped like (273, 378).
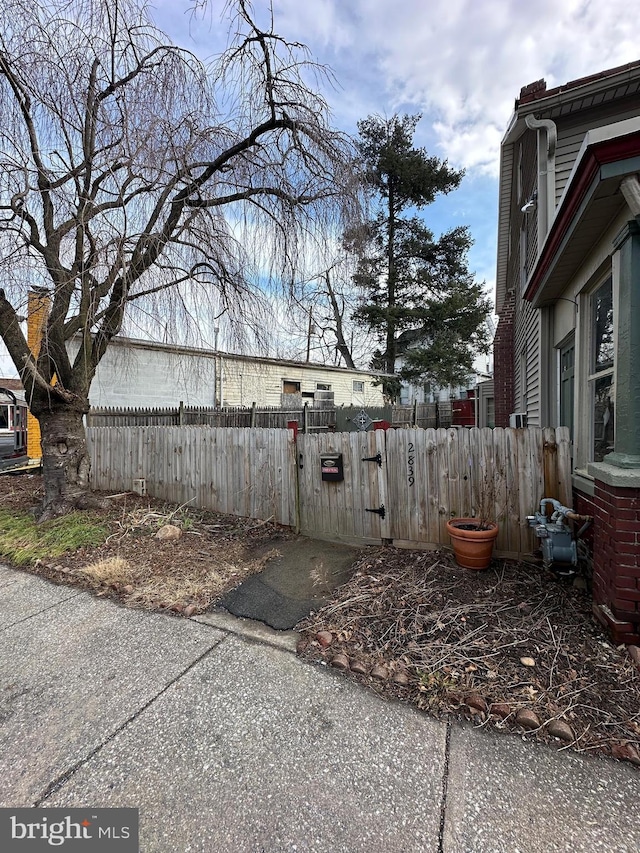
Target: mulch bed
(513, 647)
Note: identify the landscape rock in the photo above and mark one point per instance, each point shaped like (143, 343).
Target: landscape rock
(626, 752)
(168, 532)
(560, 729)
(633, 754)
(528, 719)
(634, 651)
(527, 661)
(379, 672)
(477, 703)
(501, 709)
(324, 638)
(401, 678)
(340, 661)
(359, 667)
(189, 610)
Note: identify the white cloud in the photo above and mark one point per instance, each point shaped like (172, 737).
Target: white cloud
(460, 62)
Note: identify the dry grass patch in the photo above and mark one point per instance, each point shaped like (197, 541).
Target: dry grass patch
(115, 553)
(112, 570)
(179, 586)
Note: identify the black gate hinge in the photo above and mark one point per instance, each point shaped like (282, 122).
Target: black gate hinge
(381, 511)
(377, 458)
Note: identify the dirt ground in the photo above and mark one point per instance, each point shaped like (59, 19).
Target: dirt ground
(213, 554)
(513, 647)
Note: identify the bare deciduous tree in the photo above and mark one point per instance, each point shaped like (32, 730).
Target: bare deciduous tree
(135, 178)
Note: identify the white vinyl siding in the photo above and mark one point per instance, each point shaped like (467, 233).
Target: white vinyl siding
(527, 344)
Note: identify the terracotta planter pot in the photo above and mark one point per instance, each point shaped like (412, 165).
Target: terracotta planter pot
(472, 546)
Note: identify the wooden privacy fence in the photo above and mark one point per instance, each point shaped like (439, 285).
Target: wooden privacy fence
(244, 472)
(309, 418)
(401, 485)
(404, 485)
(240, 416)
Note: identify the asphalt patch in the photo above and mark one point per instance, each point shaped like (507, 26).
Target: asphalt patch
(294, 583)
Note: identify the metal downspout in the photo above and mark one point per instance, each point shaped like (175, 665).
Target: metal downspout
(546, 174)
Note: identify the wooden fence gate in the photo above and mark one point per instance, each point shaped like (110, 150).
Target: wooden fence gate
(404, 485)
(352, 509)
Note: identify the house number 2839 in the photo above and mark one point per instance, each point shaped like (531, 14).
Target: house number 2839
(410, 463)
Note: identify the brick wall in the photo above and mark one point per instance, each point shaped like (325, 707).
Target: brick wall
(616, 561)
(503, 364)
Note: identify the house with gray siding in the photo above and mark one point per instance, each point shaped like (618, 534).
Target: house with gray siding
(567, 347)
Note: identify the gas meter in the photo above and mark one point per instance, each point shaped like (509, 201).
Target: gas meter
(558, 541)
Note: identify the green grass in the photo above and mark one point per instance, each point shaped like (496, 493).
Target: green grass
(22, 541)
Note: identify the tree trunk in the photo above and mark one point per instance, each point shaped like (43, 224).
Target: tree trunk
(341, 344)
(390, 352)
(65, 461)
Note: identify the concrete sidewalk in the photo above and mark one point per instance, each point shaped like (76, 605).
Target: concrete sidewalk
(225, 741)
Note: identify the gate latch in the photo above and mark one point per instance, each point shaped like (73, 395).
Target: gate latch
(377, 458)
(381, 511)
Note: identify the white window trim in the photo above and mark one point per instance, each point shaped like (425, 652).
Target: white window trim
(584, 378)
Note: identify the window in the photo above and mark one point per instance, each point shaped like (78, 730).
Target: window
(567, 371)
(524, 251)
(601, 371)
(290, 386)
(358, 386)
(322, 386)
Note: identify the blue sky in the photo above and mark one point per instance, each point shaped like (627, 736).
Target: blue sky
(461, 63)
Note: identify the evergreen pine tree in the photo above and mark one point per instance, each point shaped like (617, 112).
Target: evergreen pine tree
(419, 298)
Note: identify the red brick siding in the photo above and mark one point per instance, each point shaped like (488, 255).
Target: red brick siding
(503, 364)
(616, 559)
